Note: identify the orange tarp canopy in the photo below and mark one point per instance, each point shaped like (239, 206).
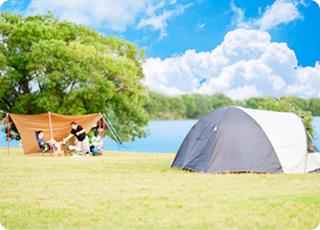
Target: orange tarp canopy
(27, 124)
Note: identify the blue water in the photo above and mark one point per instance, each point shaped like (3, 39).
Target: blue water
(316, 131)
(162, 137)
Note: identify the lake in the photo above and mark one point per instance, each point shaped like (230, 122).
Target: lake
(162, 137)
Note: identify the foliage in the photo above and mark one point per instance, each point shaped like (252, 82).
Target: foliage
(191, 105)
(157, 105)
(194, 106)
(314, 106)
(177, 107)
(285, 105)
(204, 105)
(220, 100)
(254, 102)
(58, 66)
(297, 102)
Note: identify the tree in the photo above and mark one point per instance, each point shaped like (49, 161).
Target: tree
(297, 102)
(177, 107)
(190, 102)
(157, 105)
(314, 106)
(58, 66)
(255, 102)
(284, 105)
(204, 105)
(220, 100)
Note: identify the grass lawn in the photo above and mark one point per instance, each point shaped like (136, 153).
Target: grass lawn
(135, 190)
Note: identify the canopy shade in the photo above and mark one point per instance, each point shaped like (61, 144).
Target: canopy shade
(27, 124)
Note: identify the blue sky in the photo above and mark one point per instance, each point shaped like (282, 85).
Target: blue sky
(241, 48)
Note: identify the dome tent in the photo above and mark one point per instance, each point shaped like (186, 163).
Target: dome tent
(235, 139)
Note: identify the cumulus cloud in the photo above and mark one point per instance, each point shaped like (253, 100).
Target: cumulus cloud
(115, 15)
(245, 64)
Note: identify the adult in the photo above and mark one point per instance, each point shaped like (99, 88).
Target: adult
(45, 145)
(80, 134)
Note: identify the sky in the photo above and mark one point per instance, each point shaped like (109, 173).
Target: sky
(240, 48)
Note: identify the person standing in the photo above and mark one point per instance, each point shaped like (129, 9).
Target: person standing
(83, 140)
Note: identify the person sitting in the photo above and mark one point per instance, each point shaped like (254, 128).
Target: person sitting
(45, 145)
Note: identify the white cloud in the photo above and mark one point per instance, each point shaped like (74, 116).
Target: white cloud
(158, 22)
(115, 15)
(280, 12)
(245, 64)
(201, 26)
(100, 13)
(238, 18)
(244, 92)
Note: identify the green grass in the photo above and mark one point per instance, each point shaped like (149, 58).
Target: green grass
(135, 190)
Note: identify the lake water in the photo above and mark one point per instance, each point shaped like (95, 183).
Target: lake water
(162, 137)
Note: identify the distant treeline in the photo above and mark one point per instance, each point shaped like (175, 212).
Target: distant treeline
(194, 106)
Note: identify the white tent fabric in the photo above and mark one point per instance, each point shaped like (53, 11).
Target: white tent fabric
(288, 137)
(313, 161)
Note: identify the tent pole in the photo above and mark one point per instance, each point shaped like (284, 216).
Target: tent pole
(8, 134)
(50, 126)
(100, 134)
(104, 126)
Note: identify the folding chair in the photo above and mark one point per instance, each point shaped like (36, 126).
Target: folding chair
(43, 149)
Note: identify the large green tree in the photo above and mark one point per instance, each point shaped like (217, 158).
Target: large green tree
(58, 66)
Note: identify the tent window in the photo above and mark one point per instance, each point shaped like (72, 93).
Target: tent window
(206, 131)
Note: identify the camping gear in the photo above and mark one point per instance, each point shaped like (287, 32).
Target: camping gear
(235, 139)
(53, 126)
(69, 146)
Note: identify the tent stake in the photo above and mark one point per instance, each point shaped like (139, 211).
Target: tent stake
(8, 134)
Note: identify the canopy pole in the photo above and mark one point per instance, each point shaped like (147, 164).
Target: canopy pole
(100, 134)
(50, 126)
(104, 126)
(8, 134)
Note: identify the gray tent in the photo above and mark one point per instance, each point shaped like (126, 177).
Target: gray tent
(234, 139)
